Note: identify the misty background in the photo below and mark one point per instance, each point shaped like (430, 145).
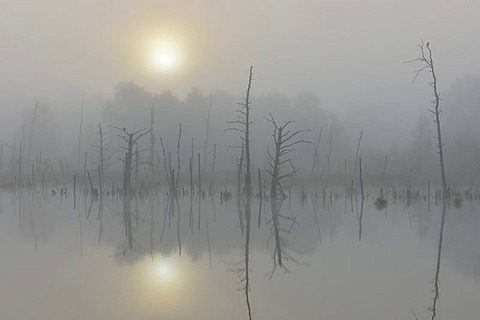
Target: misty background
(126, 192)
(323, 64)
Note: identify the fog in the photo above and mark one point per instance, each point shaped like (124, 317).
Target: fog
(348, 54)
(239, 139)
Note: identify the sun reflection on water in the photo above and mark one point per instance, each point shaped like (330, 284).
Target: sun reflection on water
(163, 271)
(165, 285)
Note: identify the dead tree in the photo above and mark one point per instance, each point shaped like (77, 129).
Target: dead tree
(20, 165)
(316, 160)
(165, 166)
(1, 156)
(243, 123)
(362, 194)
(102, 154)
(130, 139)
(426, 61)
(427, 64)
(384, 169)
(356, 154)
(32, 128)
(178, 155)
(239, 192)
(212, 174)
(329, 151)
(172, 182)
(260, 197)
(152, 141)
(205, 147)
(284, 143)
(80, 134)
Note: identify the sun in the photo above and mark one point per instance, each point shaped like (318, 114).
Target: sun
(164, 56)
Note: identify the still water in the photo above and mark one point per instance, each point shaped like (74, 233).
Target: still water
(66, 260)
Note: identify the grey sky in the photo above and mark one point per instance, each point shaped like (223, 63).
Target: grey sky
(348, 52)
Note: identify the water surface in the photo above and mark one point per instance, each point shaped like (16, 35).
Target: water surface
(61, 262)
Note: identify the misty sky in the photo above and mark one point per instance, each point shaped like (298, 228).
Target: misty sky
(348, 52)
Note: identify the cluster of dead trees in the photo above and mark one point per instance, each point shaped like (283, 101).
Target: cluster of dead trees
(281, 166)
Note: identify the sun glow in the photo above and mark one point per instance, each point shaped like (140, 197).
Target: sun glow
(164, 56)
(163, 271)
(165, 284)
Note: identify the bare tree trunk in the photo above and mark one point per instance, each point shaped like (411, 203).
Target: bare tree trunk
(74, 192)
(212, 174)
(329, 151)
(191, 176)
(92, 189)
(165, 167)
(199, 178)
(360, 217)
(85, 165)
(260, 193)
(239, 192)
(205, 148)
(32, 131)
(248, 186)
(137, 163)
(179, 240)
(102, 153)
(193, 159)
(356, 154)
(178, 156)
(248, 179)
(127, 196)
(152, 140)
(315, 165)
(80, 132)
(438, 262)
(1, 156)
(20, 165)
(384, 168)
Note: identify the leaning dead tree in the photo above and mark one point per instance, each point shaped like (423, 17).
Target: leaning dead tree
(284, 143)
(131, 140)
(427, 64)
(426, 61)
(242, 125)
